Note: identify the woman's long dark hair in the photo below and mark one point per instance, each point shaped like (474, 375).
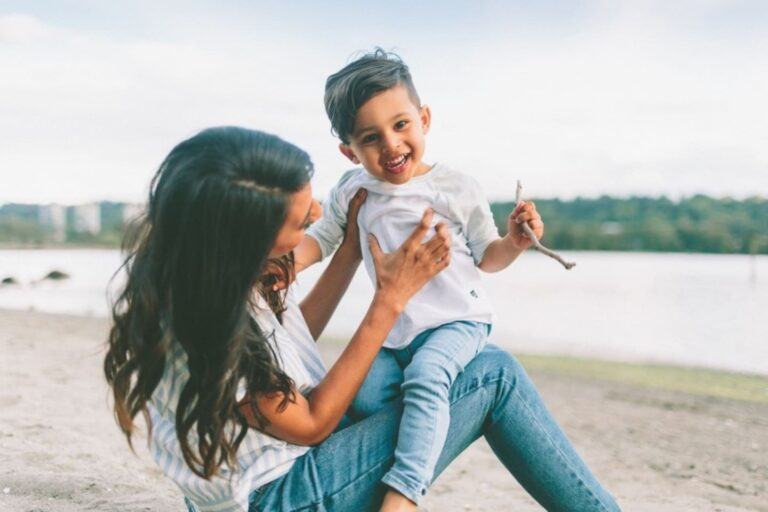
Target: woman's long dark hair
(215, 207)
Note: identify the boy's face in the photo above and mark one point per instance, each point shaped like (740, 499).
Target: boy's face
(388, 137)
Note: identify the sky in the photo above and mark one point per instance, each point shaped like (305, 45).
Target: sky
(574, 98)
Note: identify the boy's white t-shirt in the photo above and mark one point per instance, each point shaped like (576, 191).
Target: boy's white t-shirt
(391, 212)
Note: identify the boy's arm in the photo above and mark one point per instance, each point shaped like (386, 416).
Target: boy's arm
(500, 253)
(325, 235)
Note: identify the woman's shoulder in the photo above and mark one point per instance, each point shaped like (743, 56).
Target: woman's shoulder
(291, 340)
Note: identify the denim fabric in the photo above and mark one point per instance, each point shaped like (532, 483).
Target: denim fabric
(423, 372)
(492, 397)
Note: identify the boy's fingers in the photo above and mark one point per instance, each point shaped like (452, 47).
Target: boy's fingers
(418, 234)
(538, 227)
(527, 216)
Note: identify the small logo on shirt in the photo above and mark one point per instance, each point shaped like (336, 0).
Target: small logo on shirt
(474, 294)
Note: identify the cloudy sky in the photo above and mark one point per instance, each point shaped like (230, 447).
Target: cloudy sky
(573, 97)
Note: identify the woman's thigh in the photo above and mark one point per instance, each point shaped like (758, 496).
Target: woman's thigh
(343, 473)
(380, 387)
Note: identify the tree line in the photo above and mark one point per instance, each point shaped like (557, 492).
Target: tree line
(695, 224)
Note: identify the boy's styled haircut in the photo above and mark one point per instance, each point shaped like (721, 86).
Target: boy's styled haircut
(347, 90)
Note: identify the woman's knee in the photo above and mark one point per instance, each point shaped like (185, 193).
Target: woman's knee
(494, 362)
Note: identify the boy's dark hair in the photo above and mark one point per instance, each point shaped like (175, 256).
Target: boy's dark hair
(347, 90)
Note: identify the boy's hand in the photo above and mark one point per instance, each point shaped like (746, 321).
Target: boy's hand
(524, 212)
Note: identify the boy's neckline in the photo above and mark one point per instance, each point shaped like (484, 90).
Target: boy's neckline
(416, 179)
(425, 173)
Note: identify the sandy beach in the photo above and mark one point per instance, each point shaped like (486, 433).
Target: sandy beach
(655, 446)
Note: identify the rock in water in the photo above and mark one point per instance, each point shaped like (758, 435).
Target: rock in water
(8, 281)
(56, 275)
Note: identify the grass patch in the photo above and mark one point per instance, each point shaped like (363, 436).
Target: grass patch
(697, 381)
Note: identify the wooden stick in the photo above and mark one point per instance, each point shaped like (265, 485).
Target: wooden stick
(536, 244)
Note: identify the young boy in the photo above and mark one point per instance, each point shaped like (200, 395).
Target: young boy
(376, 112)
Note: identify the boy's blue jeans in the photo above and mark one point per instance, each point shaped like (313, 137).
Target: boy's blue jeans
(423, 372)
(492, 397)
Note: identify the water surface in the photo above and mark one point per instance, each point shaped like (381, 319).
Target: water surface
(693, 309)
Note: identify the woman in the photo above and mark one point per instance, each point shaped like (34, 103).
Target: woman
(223, 365)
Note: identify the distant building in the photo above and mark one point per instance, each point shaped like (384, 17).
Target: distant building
(87, 218)
(54, 218)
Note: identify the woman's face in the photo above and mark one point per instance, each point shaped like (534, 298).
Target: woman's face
(303, 210)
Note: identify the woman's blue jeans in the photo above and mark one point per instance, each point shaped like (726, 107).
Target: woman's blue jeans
(494, 398)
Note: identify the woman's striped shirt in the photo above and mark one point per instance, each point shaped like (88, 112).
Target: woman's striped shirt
(261, 458)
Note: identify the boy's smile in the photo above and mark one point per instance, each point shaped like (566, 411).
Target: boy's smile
(388, 138)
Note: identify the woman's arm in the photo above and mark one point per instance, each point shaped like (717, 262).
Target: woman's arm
(320, 303)
(399, 275)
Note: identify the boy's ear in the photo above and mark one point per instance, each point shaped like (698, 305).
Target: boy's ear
(347, 152)
(425, 114)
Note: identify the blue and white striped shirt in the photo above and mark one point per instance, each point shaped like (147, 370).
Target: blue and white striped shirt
(261, 458)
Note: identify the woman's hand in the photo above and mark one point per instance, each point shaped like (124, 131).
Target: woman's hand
(351, 240)
(400, 274)
(524, 212)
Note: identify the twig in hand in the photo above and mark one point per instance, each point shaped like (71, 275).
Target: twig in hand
(536, 244)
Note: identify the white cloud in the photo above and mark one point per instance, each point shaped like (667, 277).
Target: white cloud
(22, 28)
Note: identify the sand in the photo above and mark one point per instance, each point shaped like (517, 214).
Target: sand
(656, 450)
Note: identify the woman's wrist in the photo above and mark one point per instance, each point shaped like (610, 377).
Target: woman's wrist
(350, 251)
(388, 301)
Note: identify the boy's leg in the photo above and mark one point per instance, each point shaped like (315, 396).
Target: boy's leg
(427, 381)
(381, 386)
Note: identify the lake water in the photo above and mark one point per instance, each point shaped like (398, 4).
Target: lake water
(691, 309)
